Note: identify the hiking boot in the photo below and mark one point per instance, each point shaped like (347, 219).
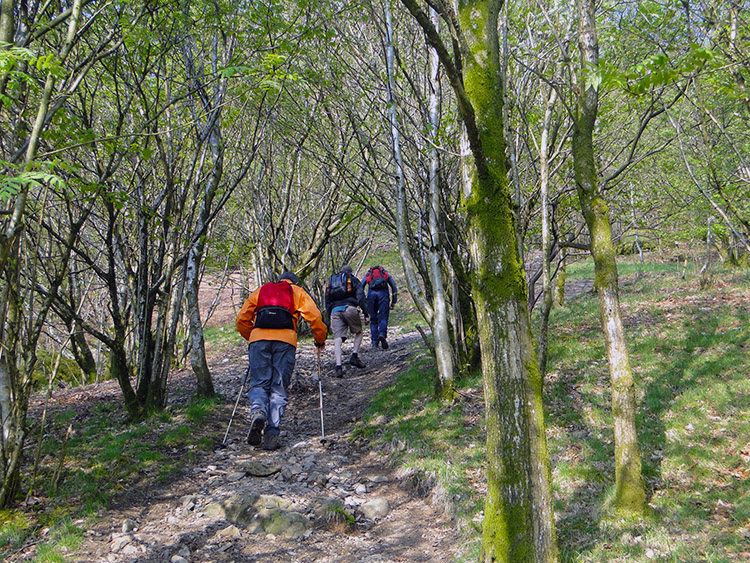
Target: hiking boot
(339, 371)
(271, 442)
(257, 423)
(383, 342)
(375, 343)
(355, 361)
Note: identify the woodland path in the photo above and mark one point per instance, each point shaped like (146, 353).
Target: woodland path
(169, 523)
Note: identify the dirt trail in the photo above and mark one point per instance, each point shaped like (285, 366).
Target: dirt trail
(176, 522)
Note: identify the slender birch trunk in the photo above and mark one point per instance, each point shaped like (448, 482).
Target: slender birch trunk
(195, 256)
(410, 269)
(634, 219)
(559, 296)
(463, 309)
(511, 143)
(630, 494)
(706, 269)
(440, 330)
(210, 133)
(546, 249)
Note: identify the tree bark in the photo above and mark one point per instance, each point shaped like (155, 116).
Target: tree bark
(630, 493)
(410, 268)
(210, 132)
(6, 22)
(518, 520)
(197, 343)
(546, 247)
(559, 296)
(18, 350)
(440, 331)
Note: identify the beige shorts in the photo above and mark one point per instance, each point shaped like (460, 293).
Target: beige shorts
(343, 320)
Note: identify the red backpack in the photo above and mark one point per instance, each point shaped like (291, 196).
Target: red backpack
(377, 277)
(275, 307)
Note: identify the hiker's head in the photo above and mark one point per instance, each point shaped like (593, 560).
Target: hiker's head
(289, 276)
(347, 269)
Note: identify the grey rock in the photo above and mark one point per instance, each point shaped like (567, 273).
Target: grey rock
(229, 533)
(375, 508)
(283, 523)
(129, 549)
(353, 501)
(120, 541)
(237, 509)
(188, 502)
(271, 502)
(260, 469)
(269, 514)
(317, 479)
(128, 526)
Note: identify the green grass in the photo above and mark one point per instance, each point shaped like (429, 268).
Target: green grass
(690, 354)
(15, 527)
(61, 534)
(221, 337)
(435, 445)
(199, 410)
(104, 457)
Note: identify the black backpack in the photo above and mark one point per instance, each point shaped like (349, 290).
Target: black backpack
(340, 287)
(377, 277)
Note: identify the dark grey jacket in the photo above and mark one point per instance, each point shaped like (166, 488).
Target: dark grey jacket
(357, 300)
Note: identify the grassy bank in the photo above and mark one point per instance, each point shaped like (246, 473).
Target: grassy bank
(104, 457)
(690, 351)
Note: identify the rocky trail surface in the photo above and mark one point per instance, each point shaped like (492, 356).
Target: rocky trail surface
(307, 502)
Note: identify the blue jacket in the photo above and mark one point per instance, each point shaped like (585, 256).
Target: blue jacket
(392, 284)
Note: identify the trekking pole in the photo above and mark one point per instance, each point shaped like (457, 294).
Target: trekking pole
(237, 402)
(320, 390)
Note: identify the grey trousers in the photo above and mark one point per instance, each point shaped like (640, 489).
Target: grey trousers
(271, 366)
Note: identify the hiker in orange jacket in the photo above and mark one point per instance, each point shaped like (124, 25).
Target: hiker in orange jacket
(268, 321)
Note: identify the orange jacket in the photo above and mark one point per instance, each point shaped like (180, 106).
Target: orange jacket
(304, 306)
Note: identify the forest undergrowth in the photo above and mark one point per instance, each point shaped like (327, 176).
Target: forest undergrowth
(691, 355)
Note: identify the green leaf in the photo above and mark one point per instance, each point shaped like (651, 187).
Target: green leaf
(593, 80)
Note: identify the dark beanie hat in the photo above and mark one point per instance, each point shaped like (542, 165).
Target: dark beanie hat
(289, 276)
(347, 269)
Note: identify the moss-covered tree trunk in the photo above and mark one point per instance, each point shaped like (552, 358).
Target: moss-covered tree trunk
(518, 520)
(630, 493)
(519, 524)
